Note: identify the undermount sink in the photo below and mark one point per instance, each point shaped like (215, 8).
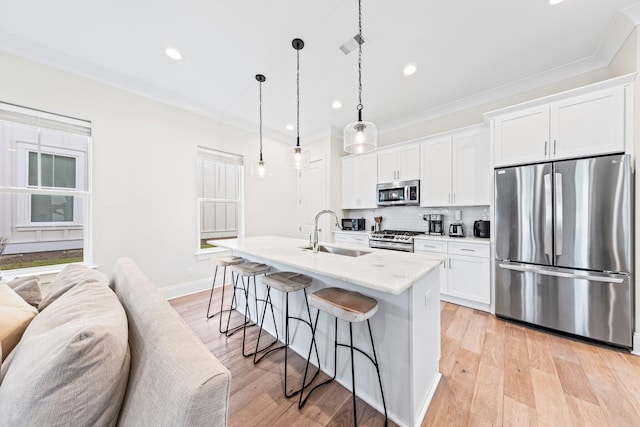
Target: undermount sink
(337, 251)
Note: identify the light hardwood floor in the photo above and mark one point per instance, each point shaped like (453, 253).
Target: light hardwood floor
(495, 373)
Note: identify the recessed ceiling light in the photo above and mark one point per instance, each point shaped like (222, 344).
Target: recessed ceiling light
(289, 127)
(336, 104)
(173, 53)
(409, 69)
(552, 2)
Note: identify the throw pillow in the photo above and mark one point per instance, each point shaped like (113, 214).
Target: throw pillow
(15, 316)
(28, 288)
(72, 365)
(71, 276)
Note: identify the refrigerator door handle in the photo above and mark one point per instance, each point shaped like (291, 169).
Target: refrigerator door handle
(584, 276)
(559, 226)
(547, 214)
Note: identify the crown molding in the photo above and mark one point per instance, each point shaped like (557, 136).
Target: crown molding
(619, 30)
(42, 55)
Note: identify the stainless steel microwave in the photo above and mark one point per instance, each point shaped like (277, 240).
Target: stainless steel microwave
(399, 193)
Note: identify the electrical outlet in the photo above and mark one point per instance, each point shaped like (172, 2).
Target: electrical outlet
(189, 271)
(427, 298)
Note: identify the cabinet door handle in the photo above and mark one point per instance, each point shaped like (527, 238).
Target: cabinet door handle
(429, 246)
(554, 147)
(545, 148)
(449, 198)
(467, 250)
(454, 197)
(449, 262)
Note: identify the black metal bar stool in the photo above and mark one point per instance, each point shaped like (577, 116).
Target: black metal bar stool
(287, 282)
(223, 262)
(351, 307)
(249, 270)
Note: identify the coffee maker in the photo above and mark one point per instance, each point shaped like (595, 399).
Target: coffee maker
(435, 224)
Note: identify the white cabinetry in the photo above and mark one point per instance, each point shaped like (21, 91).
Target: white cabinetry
(456, 169)
(399, 163)
(435, 247)
(591, 123)
(465, 276)
(356, 238)
(359, 178)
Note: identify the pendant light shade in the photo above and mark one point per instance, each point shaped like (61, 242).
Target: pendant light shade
(360, 136)
(297, 155)
(260, 169)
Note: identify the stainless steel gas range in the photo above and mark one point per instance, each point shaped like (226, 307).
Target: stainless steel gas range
(393, 239)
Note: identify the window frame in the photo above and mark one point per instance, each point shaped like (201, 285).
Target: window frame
(236, 159)
(16, 184)
(24, 209)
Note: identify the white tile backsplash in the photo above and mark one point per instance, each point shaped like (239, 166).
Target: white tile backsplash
(409, 218)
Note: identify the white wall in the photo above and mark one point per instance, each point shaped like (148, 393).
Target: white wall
(144, 170)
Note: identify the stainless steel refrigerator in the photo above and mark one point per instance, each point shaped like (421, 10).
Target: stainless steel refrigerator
(564, 246)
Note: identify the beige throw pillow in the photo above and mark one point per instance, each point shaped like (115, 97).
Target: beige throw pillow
(15, 316)
(28, 288)
(72, 365)
(71, 276)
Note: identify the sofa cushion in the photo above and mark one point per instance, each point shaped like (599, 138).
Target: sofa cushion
(28, 288)
(71, 367)
(72, 275)
(15, 316)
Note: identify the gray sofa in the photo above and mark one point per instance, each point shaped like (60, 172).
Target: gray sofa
(161, 375)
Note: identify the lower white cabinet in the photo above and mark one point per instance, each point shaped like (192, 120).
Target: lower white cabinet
(465, 275)
(356, 238)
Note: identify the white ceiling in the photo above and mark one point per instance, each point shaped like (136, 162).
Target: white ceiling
(463, 49)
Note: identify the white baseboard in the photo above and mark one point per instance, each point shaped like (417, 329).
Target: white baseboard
(636, 344)
(188, 288)
(427, 402)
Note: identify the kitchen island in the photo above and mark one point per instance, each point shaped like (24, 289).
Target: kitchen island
(406, 328)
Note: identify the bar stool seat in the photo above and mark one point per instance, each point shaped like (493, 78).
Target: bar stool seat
(223, 262)
(352, 307)
(250, 269)
(287, 282)
(346, 305)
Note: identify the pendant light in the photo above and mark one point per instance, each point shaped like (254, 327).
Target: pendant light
(297, 154)
(360, 136)
(260, 169)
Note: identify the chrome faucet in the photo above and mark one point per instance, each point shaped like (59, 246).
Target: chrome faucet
(314, 242)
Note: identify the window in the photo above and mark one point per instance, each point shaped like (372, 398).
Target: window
(44, 194)
(219, 196)
(52, 171)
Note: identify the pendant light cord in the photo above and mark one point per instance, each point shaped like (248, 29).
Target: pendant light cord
(360, 41)
(260, 84)
(298, 96)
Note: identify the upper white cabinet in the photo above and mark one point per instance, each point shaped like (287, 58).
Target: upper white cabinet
(456, 169)
(436, 172)
(359, 179)
(591, 123)
(399, 163)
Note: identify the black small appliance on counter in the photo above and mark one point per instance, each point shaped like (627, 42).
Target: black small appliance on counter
(482, 228)
(353, 224)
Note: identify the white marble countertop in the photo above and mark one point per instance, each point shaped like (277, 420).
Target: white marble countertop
(468, 239)
(391, 272)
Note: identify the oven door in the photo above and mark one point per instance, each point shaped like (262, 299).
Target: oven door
(394, 246)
